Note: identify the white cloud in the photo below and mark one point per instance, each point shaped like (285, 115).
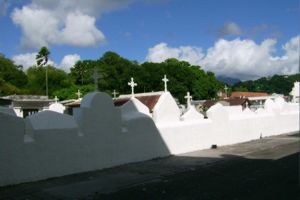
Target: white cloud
(243, 59)
(28, 59)
(161, 52)
(63, 22)
(68, 61)
(229, 28)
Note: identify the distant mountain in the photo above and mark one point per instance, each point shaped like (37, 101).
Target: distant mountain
(228, 80)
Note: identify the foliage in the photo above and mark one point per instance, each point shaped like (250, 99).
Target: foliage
(280, 84)
(42, 56)
(57, 79)
(11, 73)
(115, 72)
(70, 92)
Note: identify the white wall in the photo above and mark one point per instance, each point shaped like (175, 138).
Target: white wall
(99, 135)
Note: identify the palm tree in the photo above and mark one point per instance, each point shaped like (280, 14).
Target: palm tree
(41, 60)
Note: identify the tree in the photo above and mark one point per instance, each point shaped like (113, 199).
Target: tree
(12, 74)
(41, 60)
(57, 78)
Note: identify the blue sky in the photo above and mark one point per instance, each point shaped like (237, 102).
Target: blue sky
(244, 39)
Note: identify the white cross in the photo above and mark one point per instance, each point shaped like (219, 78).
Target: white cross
(188, 98)
(165, 80)
(115, 93)
(226, 88)
(78, 94)
(96, 77)
(132, 84)
(56, 99)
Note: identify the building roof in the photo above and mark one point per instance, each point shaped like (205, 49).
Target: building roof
(231, 102)
(149, 100)
(28, 101)
(248, 94)
(28, 98)
(74, 103)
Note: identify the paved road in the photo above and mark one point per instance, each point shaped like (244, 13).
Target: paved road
(262, 169)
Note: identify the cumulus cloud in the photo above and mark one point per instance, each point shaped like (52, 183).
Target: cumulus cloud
(229, 28)
(46, 22)
(28, 60)
(161, 52)
(68, 61)
(243, 59)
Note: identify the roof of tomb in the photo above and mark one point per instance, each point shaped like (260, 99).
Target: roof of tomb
(27, 101)
(148, 100)
(238, 94)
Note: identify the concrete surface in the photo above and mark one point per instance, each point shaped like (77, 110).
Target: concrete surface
(119, 182)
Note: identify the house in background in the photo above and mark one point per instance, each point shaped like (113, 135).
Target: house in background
(256, 99)
(244, 102)
(25, 105)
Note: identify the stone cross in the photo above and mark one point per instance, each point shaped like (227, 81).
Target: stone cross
(78, 94)
(165, 80)
(96, 77)
(56, 99)
(115, 94)
(226, 88)
(132, 84)
(188, 98)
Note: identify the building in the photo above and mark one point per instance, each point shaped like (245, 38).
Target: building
(256, 99)
(148, 99)
(244, 102)
(25, 105)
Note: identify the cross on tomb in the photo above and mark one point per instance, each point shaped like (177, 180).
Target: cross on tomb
(165, 80)
(226, 88)
(96, 77)
(115, 94)
(188, 98)
(78, 93)
(56, 99)
(132, 84)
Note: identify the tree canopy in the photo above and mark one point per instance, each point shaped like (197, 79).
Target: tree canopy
(115, 72)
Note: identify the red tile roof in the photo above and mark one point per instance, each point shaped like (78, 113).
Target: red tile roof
(149, 100)
(248, 94)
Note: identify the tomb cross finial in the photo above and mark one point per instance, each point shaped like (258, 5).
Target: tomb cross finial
(115, 94)
(56, 99)
(96, 77)
(188, 99)
(225, 88)
(165, 80)
(132, 84)
(78, 93)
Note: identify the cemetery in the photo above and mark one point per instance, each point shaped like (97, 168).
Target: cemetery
(101, 135)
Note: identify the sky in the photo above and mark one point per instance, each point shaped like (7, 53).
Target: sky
(244, 39)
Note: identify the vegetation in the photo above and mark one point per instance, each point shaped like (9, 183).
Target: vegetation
(280, 84)
(115, 71)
